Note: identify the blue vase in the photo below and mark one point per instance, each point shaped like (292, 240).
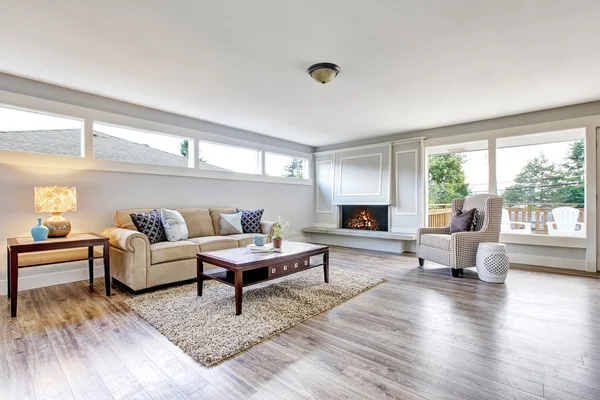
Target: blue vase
(39, 232)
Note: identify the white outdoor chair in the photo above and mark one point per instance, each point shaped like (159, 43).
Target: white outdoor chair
(507, 225)
(565, 222)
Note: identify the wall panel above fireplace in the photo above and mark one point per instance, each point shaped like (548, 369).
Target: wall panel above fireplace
(362, 175)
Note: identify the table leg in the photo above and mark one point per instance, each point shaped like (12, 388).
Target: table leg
(91, 264)
(326, 266)
(8, 272)
(14, 282)
(107, 279)
(238, 292)
(200, 277)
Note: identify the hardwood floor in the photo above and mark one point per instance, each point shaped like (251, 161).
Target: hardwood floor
(421, 334)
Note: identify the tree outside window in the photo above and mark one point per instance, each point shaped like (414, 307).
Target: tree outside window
(294, 169)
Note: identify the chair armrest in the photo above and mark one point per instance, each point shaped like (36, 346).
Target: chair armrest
(123, 238)
(550, 225)
(425, 231)
(266, 227)
(439, 231)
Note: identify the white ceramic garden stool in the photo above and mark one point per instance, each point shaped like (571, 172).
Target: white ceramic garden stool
(492, 262)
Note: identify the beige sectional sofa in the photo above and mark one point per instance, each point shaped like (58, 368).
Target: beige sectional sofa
(141, 265)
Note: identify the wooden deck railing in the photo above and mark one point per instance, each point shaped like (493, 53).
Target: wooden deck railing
(440, 215)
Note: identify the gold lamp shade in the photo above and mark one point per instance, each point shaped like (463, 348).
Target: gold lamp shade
(323, 72)
(56, 200)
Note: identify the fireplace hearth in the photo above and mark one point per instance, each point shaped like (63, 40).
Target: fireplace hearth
(364, 217)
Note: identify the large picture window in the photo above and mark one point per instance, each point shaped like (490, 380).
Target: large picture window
(541, 178)
(286, 166)
(36, 132)
(455, 171)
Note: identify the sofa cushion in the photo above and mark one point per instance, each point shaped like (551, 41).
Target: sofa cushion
(437, 241)
(214, 215)
(150, 224)
(251, 220)
(174, 224)
(123, 217)
(198, 221)
(230, 224)
(211, 243)
(244, 239)
(172, 251)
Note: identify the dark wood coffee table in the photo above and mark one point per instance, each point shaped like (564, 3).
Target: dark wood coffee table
(239, 268)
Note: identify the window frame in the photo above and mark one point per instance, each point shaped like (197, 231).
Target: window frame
(260, 161)
(588, 124)
(530, 140)
(49, 114)
(189, 158)
(305, 162)
(87, 162)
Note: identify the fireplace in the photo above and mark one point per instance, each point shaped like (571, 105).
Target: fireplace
(364, 217)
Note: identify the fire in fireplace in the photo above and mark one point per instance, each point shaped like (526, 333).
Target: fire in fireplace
(368, 217)
(364, 220)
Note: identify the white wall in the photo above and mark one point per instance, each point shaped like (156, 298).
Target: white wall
(101, 189)
(408, 186)
(557, 257)
(580, 254)
(99, 104)
(362, 176)
(100, 193)
(326, 212)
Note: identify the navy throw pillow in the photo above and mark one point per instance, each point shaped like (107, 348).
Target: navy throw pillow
(251, 220)
(150, 224)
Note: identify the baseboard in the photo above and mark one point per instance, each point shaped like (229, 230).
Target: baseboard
(543, 261)
(53, 278)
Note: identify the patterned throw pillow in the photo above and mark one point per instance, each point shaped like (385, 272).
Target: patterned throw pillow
(150, 224)
(251, 220)
(174, 224)
(230, 224)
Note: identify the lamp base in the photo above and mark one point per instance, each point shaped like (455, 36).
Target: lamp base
(58, 226)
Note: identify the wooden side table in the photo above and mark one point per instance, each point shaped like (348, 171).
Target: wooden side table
(21, 245)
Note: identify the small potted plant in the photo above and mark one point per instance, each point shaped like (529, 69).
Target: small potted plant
(278, 230)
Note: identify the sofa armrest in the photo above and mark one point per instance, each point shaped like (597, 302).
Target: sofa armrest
(123, 239)
(129, 256)
(266, 227)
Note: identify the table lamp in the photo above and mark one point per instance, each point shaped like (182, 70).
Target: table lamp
(56, 200)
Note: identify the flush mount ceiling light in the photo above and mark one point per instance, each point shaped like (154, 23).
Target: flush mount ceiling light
(323, 72)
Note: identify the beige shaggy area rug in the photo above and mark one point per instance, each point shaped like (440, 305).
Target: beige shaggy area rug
(207, 328)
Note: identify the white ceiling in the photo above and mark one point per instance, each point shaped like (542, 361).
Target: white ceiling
(406, 65)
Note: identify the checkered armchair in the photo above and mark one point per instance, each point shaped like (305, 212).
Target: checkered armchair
(459, 250)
